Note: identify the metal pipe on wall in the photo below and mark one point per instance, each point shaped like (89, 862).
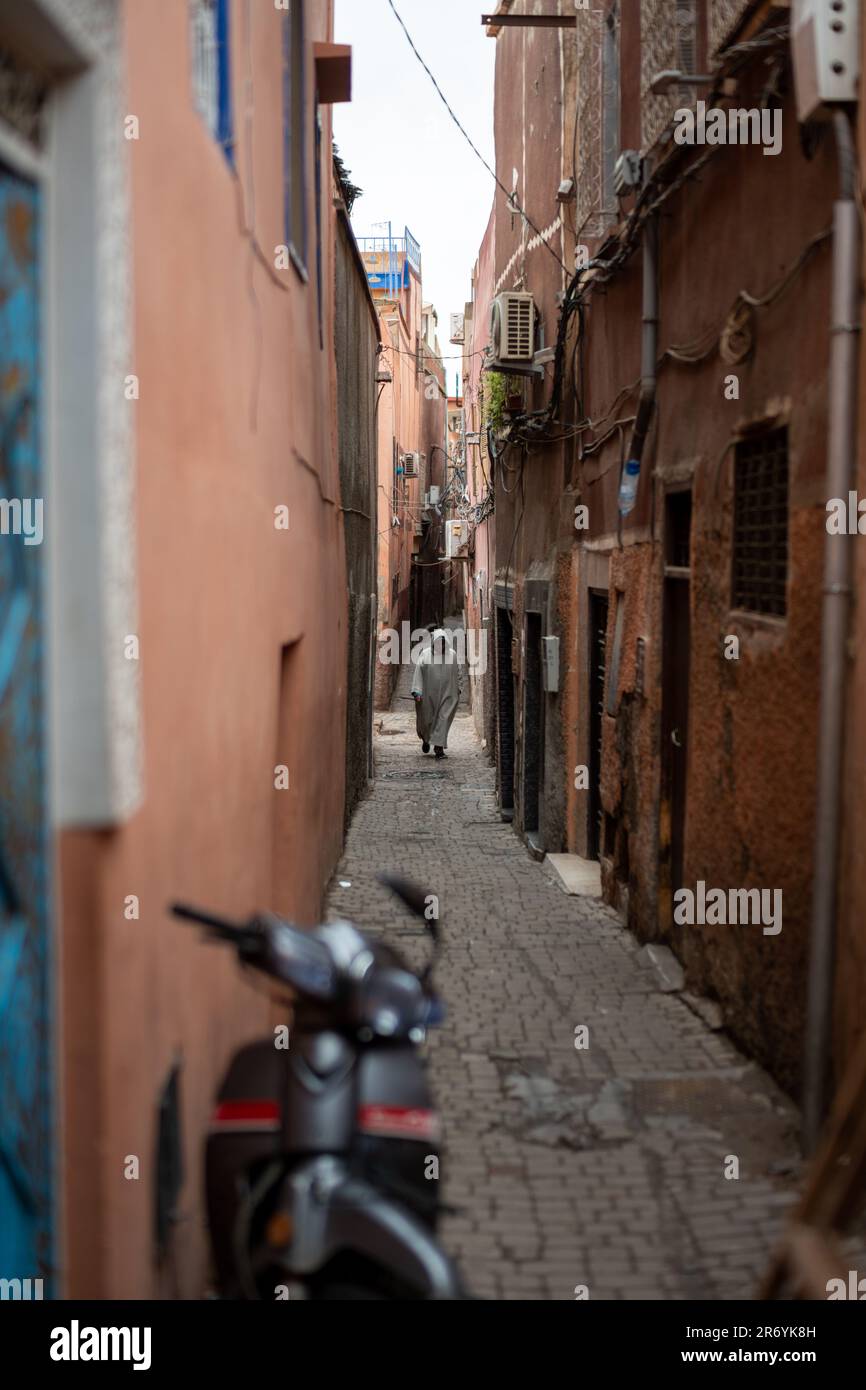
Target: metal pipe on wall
(649, 341)
(841, 441)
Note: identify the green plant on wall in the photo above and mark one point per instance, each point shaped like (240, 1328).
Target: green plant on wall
(496, 388)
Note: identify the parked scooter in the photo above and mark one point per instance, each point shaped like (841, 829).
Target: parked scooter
(322, 1157)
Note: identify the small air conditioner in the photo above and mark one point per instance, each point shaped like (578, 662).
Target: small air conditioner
(411, 465)
(512, 328)
(626, 172)
(458, 330)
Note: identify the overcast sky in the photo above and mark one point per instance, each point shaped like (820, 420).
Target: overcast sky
(401, 145)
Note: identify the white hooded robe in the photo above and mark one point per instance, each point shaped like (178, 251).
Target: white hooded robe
(437, 681)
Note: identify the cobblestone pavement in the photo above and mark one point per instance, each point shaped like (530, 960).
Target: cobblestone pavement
(602, 1167)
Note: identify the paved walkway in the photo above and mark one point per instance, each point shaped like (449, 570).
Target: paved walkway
(602, 1167)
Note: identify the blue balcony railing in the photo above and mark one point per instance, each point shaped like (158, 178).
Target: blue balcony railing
(395, 246)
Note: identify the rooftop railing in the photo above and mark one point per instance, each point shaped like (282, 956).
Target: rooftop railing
(395, 246)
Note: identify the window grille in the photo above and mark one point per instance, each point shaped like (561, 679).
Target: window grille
(597, 134)
(687, 38)
(294, 130)
(209, 41)
(669, 41)
(760, 551)
(724, 14)
(610, 143)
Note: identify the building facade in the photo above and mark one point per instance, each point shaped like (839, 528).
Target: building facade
(178, 626)
(358, 353)
(658, 660)
(410, 429)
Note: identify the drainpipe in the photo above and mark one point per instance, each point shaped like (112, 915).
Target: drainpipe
(650, 341)
(841, 441)
(649, 346)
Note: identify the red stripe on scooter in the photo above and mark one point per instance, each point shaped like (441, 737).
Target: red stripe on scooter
(398, 1122)
(243, 1114)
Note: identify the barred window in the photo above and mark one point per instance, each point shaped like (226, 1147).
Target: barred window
(597, 130)
(295, 132)
(211, 71)
(724, 16)
(669, 41)
(760, 552)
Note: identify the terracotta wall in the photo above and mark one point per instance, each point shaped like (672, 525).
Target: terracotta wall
(401, 420)
(427, 591)
(851, 957)
(357, 348)
(753, 721)
(531, 144)
(242, 633)
(480, 477)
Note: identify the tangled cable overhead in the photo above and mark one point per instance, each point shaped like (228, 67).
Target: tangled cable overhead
(662, 184)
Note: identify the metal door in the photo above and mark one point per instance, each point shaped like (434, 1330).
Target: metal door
(26, 1147)
(533, 726)
(598, 611)
(505, 699)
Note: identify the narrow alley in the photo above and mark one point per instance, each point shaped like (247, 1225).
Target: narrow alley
(490, 376)
(602, 1167)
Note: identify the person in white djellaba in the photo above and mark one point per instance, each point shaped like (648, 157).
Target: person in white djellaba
(436, 691)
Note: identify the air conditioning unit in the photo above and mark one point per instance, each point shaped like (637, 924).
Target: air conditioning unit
(626, 172)
(412, 464)
(458, 328)
(456, 535)
(512, 328)
(825, 45)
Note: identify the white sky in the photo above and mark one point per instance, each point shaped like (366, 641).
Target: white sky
(401, 145)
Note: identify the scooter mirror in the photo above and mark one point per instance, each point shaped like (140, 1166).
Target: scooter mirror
(423, 904)
(418, 900)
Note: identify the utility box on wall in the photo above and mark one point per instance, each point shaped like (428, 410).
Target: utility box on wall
(825, 45)
(456, 535)
(550, 664)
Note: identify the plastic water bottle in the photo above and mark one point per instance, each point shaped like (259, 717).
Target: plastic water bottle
(628, 486)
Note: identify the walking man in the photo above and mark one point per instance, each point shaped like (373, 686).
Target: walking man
(436, 691)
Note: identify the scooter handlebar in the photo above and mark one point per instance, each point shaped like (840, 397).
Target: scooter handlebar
(218, 926)
(269, 944)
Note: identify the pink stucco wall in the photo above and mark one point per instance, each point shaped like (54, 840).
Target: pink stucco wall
(401, 419)
(479, 475)
(242, 632)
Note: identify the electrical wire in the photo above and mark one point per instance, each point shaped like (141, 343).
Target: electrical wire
(650, 199)
(492, 172)
(446, 357)
(519, 521)
(597, 444)
(692, 354)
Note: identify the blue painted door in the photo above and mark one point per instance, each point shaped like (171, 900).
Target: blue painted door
(26, 1141)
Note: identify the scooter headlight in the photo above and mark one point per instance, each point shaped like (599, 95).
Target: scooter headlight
(436, 1013)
